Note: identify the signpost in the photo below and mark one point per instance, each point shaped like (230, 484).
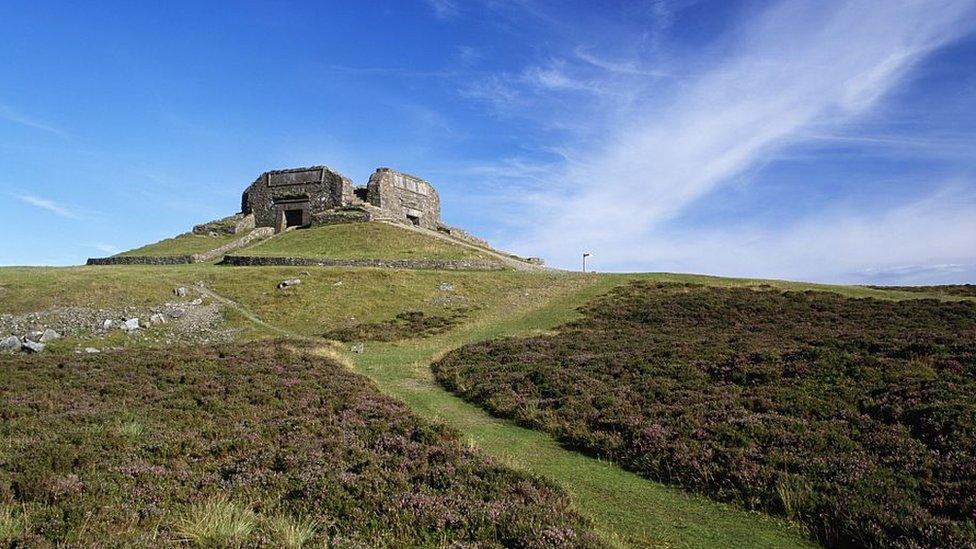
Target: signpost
(585, 255)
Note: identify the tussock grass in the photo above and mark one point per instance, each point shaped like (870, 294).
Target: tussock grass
(216, 522)
(292, 533)
(13, 523)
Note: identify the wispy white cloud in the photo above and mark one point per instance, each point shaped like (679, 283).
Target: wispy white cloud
(10, 115)
(48, 205)
(797, 68)
(926, 239)
(109, 249)
(627, 66)
(443, 9)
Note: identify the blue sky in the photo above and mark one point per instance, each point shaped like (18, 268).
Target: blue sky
(815, 140)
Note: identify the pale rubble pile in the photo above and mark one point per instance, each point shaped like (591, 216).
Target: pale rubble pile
(174, 322)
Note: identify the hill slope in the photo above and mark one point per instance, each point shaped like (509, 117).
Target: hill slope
(369, 240)
(184, 244)
(853, 416)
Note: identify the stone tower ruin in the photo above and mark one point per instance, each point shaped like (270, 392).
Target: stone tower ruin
(319, 195)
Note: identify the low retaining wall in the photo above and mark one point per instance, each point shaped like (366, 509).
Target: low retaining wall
(256, 234)
(426, 264)
(141, 260)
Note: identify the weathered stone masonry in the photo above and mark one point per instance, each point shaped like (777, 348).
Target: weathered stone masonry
(319, 195)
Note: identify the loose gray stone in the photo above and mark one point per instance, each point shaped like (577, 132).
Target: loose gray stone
(10, 343)
(130, 324)
(157, 318)
(358, 348)
(32, 347)
(446, 287)
(33, 335)
(107, 324)
(179, 292)
(49, 335)
(91, 350)
(290, 282)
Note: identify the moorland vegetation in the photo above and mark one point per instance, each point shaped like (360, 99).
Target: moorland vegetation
(263, 444)
(853, 416)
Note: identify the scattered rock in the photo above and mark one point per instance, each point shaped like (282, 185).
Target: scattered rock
(130, 324)
(290, 282)
(32, 346)
(33, 335)
(179, 292)
(10, 343)
(91, 350)
(446, 287)
(49, 335)
(358, 348)
(157, 318)
(107, 324)
(337, 283)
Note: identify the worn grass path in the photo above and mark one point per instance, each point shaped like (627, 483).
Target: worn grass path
(626, 510)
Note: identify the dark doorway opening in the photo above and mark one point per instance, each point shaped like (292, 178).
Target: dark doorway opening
(413, 219)
(361, 193)
(294, 218)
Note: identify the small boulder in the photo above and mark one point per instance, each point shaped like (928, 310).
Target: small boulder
(157, 318)
(179, 292)
(446, 287)
(10, 343)
(107, 324)
(91, 350)
(32, 346)
(358, 348)
(288, 283)
(48, 336)
(130, 324)
(33, 335)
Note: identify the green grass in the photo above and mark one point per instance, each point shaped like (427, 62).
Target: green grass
(362, 241)
(627, 510)
(184, 244)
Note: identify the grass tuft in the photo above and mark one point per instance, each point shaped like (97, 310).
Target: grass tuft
(216, 522)
(12, 525)
(293, 533)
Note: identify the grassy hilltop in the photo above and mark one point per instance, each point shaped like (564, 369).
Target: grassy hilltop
(406, 320)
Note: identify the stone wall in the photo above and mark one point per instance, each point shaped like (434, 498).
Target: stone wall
(307, 190)
(234, 224)
(426, 264)
(406, 198)
(256, 234)
(141, 260)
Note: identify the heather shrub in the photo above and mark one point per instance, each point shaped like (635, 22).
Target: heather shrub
(856, 417)
(405, 325)
(265, 444)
